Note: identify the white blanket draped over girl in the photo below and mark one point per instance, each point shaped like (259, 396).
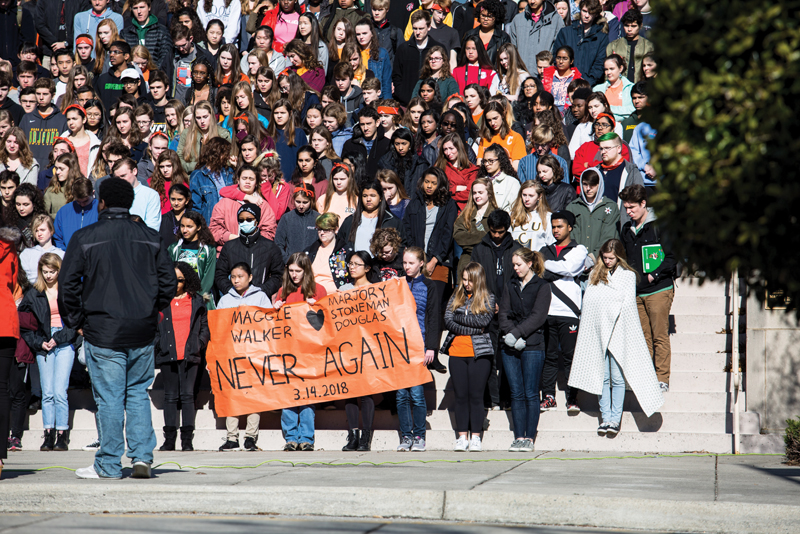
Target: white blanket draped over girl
(610, 321)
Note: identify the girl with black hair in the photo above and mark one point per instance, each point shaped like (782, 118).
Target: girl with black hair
(476, 99)
(471, 131)
(474, 66)
(371, 214)
(95, 118)
(308, 172)
(179, 199)
(224, 223)
(26, 203)
(196, 248)
(322, 141)
(313, 119)
(522, 107)
(296, 231)
(428, 224)
(427, 141)
(309, 32)
(491, 15)
(358, 163)
(204, 84)
(359, 266)
(429, 92)
(180, 343)
(496, 165)
(402, 160)
(265, 91)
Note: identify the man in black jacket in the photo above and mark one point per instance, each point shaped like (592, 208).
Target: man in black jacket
(261, 254)
(145, 29)
(17, 26)
(115, 278)
(372, 142)
(651, 257)
(494, 254)
(54, 22)
(409, 58)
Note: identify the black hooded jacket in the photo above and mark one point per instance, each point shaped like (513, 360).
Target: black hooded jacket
(261, 254)
(440, 245)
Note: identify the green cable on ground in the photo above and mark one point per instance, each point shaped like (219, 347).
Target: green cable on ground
(375, 464)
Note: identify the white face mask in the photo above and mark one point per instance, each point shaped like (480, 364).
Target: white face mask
(247, 227)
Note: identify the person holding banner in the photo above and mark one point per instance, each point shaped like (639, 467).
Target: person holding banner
(371, 214)
(242, 293)
(328, 255)
(359, 264)
(467, 317)
(299, 285)
(411, 407)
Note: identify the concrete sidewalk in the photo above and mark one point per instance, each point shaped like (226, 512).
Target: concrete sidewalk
(691, 493)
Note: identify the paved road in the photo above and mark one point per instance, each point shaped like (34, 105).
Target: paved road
(82, 523)
(690, 493)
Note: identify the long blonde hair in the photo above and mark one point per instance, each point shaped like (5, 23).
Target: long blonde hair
(480, 293)
(47, 260)
(519, 213)
(468, 215)
(600, 271)
(193, 133)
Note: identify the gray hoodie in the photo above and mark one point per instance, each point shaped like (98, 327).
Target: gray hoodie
(252, 297)
(531, 37)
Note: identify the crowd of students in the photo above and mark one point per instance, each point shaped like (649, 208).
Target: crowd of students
(489, 152)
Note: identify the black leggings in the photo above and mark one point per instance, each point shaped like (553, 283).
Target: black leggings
(8, 346)
(469, 377)
(367, 409)
(20, 397)
(179, 381)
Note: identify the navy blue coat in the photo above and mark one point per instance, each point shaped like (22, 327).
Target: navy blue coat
(590, 50)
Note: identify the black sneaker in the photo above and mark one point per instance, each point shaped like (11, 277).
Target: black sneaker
(229, 446)
(250, 444)
(613, 429)
(290, 446)
(14, 444)
(306, 447)
(548, 404)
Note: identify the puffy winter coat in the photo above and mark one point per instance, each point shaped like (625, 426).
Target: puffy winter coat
(462, 322)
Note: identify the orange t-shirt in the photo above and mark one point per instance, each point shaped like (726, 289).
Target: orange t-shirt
(614, 96)
(513, 143)
(461, 347)
(476, 117)
(181, 323)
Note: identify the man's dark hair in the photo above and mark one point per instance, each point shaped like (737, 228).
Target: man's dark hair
(159, 76)
(124, 162)
(369, 113)
(63, 52)
(25, 91)
(639, 88)
(343, 71)
(117, 148)
(122, 45)
(45, 83)
(85, 89)
(116, 193)
(179, 31)
(9, 176)
(28, 47)
(28, 67)
(5, 79)
(635, 194)
(499, 219)
(82, 188)
(590, 177)
(631, 16)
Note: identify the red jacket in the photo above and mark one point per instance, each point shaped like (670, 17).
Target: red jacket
(588, 155)
(466, 75)
(461, 177)
(27, 321)
(9, 283)
(271, 19)
(549, 72)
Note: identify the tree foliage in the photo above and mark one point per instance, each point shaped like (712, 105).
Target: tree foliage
(726, 106)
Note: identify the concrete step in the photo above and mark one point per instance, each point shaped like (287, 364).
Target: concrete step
(684, 304)
(703, 324)
(627, 440)
(691, 286)
(699, 361)
(690, 342)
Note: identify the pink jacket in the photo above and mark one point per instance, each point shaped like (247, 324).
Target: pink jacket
(280, 204)
(225, 221)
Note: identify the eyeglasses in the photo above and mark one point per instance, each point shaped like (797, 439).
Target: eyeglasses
(113, 52)
(449, 123)
(324, 230)
(143, 123)
(436, 59)
(608, 148)
(490, 161)
(353, 265)
(94, 115)
(602, 125)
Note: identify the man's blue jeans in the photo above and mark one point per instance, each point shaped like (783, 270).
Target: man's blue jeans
(54, 369)
(524, 373)
(120, 379)
(412, 411)
(298, 424)
(613, 396)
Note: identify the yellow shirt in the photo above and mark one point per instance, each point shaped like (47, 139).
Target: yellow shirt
(448, 20)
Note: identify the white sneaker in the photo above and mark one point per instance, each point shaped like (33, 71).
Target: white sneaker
(475, 444)
(86, 472)
(462, 444)
(141, 470)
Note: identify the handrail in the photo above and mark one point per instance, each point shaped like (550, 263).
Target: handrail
(735, 359)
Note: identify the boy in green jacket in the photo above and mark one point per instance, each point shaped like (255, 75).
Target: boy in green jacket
(596, 216)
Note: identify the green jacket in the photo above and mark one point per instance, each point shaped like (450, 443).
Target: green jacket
(596, 226)
(206, 265)
(620, 46)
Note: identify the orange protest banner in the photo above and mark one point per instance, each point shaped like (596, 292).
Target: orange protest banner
(348, 344)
